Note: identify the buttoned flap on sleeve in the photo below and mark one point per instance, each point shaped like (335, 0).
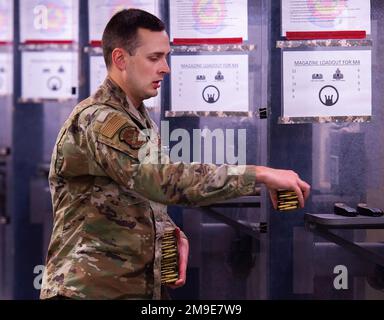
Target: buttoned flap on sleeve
(121, 134)
(117, 143)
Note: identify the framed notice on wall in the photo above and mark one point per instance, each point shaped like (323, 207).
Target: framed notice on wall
(49, 21)
(6, 21)
(57, 74)
(214, 83)
(6, 72)
(100, 11)
(221, 19)
(324, 15)
(97, 72)
(327, 83)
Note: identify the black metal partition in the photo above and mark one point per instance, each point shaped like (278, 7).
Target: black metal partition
(6, 103)
(228, 249)
(342, 161)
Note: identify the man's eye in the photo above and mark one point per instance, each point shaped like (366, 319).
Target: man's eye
(153, 58)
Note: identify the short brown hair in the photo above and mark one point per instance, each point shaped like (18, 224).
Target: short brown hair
(121, 31)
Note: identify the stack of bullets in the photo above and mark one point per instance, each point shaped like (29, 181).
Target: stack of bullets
(287, 200)
(169, 258)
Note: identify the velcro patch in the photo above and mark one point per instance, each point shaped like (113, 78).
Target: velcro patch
(131, 136)
(102, 116)
(110, 128)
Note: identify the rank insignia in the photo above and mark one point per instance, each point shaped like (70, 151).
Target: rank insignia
(132, 137)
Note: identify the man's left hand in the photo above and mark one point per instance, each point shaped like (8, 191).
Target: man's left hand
(183, 248)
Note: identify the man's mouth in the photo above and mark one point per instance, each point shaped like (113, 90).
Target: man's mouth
(156, 84)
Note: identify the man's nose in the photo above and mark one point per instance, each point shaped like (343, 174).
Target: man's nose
(165, 67)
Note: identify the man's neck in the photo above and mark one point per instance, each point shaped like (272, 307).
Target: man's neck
(132, 102)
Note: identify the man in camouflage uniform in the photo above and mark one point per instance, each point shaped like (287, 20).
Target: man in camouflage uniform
(109, 200)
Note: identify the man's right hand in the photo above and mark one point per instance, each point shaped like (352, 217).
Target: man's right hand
(277, 179)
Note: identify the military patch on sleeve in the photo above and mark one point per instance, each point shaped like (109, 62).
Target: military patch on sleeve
(131, 136)
(102, 116)
(110, 128)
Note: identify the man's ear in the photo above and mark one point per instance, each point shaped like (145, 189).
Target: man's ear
(118, 58)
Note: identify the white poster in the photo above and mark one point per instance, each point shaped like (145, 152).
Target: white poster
(210, 83)
(98, 72)
(208, 19)
(49, 75)
(100, 12)
(49, 20)
(6, 21)
(6, 71)
(327, 83)
(325, 15)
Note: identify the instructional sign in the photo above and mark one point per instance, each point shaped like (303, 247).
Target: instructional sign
(98, 72)
(210, 83)
(6, 73)
(57, 74)
(327, 83)
(209, 19)
(49, 20)
(100, 12)
(325, 15)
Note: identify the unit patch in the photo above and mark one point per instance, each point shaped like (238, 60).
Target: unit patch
(132, 137)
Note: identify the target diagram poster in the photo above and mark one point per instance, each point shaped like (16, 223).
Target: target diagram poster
(57, 74)
(6, 21)
(100, 11)
(327, 83)
(49, 20)
(98, 72)
(208, 19)
(6, 71)
(210, 83)
(325, 15)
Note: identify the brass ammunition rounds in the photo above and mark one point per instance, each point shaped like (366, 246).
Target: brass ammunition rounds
(169, 258)
(287, 200)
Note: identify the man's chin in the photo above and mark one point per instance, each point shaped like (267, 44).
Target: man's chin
(151, 95)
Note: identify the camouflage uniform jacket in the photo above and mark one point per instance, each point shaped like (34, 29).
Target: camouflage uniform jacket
(110, 207)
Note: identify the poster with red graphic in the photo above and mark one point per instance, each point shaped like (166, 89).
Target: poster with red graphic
(6, 21)
(325, 15)
(208, 19)
(49, 21)
(100, 11)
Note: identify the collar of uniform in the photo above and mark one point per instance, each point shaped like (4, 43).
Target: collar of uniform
(140, 113)
(137, 113)
(111, 94)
